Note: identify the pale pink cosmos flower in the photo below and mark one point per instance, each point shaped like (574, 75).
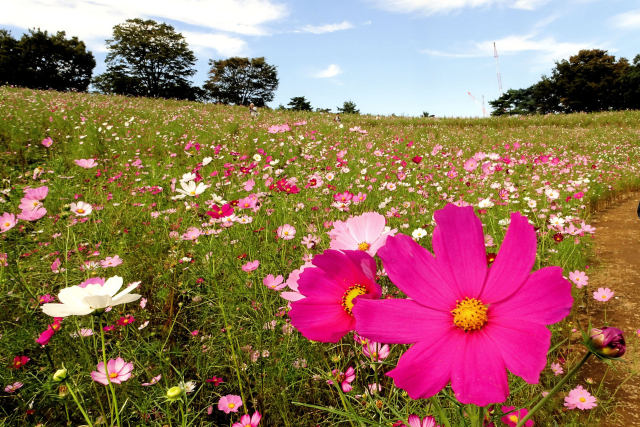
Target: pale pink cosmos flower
(286, 232)
(414, 421)
(109, 261)
(7, 222)
(366, 232)
(47, 142)
(117, 372)
(344, 378)
(86, 163)
(292, 283)
(580, 398)
(81, 208)
(603, 294)
(249, 421)
(275, 283)
(579, 278)
(55, 265)
(12, 388)
(376, 351)
(230, 403)
(32, 215)
(192, 233)
(39, 193)
(153, 381)
(557, 369)
(251, 265)
(27, 204)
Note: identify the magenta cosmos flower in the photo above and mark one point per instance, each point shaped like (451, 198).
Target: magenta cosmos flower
(249, 421)
(117, 370)
(468, 322)
(230, 403)
(330, 290)
(366, 232)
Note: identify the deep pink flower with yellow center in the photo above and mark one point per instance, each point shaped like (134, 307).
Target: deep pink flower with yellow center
(468, 322)
(331, 289)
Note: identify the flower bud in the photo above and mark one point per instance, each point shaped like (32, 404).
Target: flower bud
(174, 393)
(60, 375)
(607, 342)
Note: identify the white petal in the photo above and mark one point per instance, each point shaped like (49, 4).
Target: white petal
(128, 289)
(125, 299)
(97, 301)
(112, 285)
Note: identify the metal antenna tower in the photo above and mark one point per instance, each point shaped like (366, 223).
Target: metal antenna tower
(495, 55)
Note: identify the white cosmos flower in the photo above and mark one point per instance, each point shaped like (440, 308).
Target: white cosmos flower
(191, 189)
(206, 161)
(81, 208)
(188, 177)
(77, 301)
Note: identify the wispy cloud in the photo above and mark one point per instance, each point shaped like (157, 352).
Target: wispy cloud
(430, 7)
(223, 44)
(331, 71)
(328, 28)
(548, 49)
(627, 20)
(93, 21)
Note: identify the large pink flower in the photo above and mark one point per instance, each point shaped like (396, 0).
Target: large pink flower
(468, 322)
(86, 163)
(7, 222)
(117, 370)
(330, 290)
(366, 232)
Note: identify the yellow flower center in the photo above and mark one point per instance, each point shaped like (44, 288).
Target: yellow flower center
(231, 405)
(364, 246)
(350, 294)
(113, 375)
(80, 211)
(513, 418)
(582, 399)
(193, 193)
(6, 224)
(470, 314)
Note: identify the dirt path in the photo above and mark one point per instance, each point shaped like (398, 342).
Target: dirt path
(616, 265)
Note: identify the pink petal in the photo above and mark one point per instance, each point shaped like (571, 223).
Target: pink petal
(433, 356)
(314, 283)
(523, 346)
(514, 261)
(355, 266)
(415, 272)
(399, 321)
(320, 322)
(478, 375)
(458, 244)
(545, 298)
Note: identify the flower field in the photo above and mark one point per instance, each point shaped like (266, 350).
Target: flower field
(174, 263)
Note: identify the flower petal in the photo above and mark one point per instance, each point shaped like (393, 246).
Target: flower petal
(112, 285)
(126, 290)
(523, 346)
(347, 266)
(399, 321)
(125, 299)
(545, 298)
(415, 272)
(478, 375)
(458, 244)
(514, 261)
(320, 322)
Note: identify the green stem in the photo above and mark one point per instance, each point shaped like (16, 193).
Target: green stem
(554, 390)
(113, 391)
(75, 398)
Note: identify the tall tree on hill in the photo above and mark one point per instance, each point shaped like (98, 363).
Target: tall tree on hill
(299, 103)
(348, 107)
(241, 81)
(147, 58)
(42, 61)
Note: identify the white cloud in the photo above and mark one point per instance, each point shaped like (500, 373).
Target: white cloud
(430, 7)
(328, 28)
(627, 20)
(93, 21)
(223, 44)
(548, 49)
(331, 71)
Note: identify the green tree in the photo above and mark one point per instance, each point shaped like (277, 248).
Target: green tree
(42, 61)
(299, 103)
(630, 83)
(514, 101)
(323, 110)
(426, 114)
(349, 107)
(147, 58)
(241, 81)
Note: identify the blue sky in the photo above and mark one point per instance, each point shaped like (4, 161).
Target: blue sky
(388, 56)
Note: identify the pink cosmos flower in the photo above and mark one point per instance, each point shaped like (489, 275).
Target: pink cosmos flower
(7, 222)
(111, 261)
(39, 193)
(557, 369)
(275, 283)
(331, 289)
(19, 362)
(47, 142)
(286, 232)
(580, 398)
(251, 265)
(579, 278)
(366, 232)
(55, 265)
(230, 403)
(603, 294)
(86, 163)
(81, 208)
(27, 204)
(512, 418)
(376, 351)
(344, 378)
(292, 283)
(414, 421)
(153, 381)
(12, 388)
(91, 281)
(248, 202)
(32, 214)
(487, 319)
(192, 233)
(249, 421)
(117, 372)
(46, 298)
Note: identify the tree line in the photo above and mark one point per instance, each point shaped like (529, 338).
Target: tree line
(590, 81)
(145, 58)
